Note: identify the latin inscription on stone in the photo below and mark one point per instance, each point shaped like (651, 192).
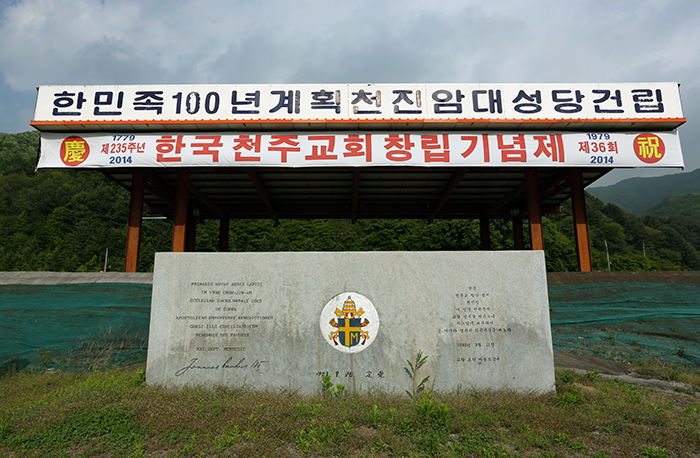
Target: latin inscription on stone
(285, 320)
(230, 313)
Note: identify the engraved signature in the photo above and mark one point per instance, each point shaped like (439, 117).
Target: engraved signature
(193, 365)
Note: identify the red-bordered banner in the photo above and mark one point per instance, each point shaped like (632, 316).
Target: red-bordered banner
(323, 149)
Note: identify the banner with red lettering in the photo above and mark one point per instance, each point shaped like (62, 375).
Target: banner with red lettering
(355, 149)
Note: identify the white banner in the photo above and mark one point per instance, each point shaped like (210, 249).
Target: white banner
(324, 149)
(357, 103)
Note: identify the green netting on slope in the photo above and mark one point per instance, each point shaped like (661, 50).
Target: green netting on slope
(66, 325)
(628, 320)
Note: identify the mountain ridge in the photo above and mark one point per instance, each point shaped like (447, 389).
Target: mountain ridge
(639, 194)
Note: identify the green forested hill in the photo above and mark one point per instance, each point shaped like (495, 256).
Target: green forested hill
(59, 220)
(639, 194)
(65, 220)
(687, 205)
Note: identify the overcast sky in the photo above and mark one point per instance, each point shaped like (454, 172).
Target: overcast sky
(79, 42)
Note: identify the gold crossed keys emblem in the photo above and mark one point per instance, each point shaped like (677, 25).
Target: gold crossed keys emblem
(349, 322)
(349, 326)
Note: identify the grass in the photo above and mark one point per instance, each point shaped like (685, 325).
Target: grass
(114, 413)
(111, 348)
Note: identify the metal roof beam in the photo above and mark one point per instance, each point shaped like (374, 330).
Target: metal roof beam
(260, 186)
(206, 201)
(554, 191)
(447, 192)
(112, 178)
(342, 211)
(159, 188)
(507, 198)
(552, 183)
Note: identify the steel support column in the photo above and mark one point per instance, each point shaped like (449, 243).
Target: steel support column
(191, 234)
(578, 204)
(485, 232)
(224, 224)
(518, 236)
(533, 209)
(133, 238)
(182, 195)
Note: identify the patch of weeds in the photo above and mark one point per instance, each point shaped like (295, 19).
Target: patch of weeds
(692, 378)
(690, 391)
(331, 391)
(600, 454)
(140, 377)
(326, 384)
(308, 411)
(680, 351)
(139, 450)
(413, 374)
(430, 413)
(674, 375)
(391, 419)
(187, 450)
(656, 408)
(113, 347)
(565, 377)
(537, 440)
(380, 446)
(612, 338)
(593, 375)
(367, 454)
(252, 435)
(484, 418)
(5, 429)
(14, 366)
(403, 427)
(529, 439)
(320, 438)
(227, 439)
(545, 454)
(217, 407)
(479, 444)
(630, 390)
(431, 439)
(565, 441)
(374, 416)
(654, 452)
(45, 357)
(172, 437)
(644, 369)
(474, 443)
(570, 398)
(609, 430)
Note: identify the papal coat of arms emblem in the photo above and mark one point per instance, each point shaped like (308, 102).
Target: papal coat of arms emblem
(349, 322)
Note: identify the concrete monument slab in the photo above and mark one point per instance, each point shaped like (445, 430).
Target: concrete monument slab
(283, 320)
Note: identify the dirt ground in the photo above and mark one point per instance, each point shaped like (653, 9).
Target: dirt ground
(576, 278)
(609, 369)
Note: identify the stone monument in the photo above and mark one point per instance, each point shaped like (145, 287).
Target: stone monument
(284, 320)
